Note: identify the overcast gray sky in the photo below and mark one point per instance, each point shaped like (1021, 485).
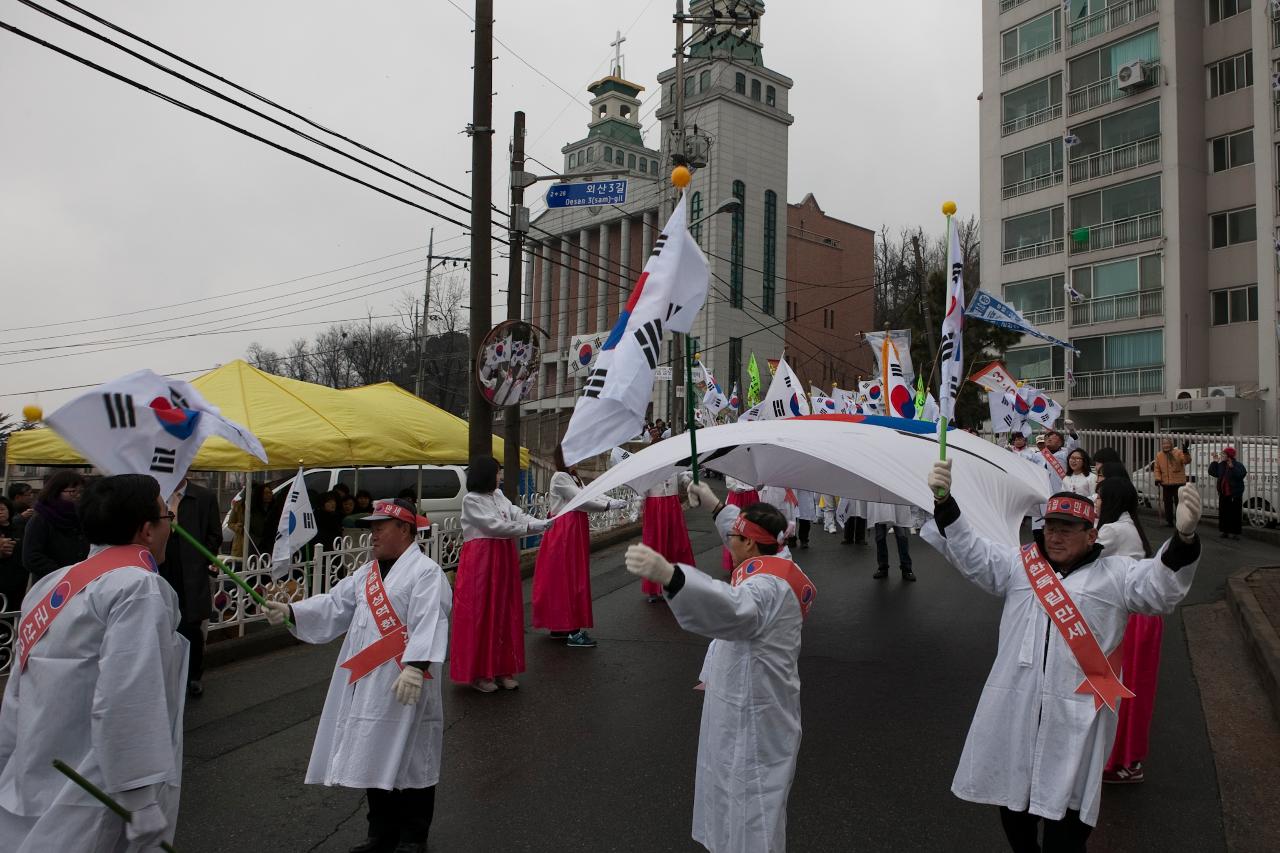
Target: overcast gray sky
(115, 202)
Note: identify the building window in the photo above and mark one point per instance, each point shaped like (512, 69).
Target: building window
(1235, 305)
(1233, 226)
(771, 96)
(1105, 62)
(1030, 363)
(624, 111)
(591, 154)
(604, 110)
(1129, 351)
(644, 166)
(1123, 201)
(1038, 228)
(1230, 74)
(704, 81)
(1222, 9)
(1030, 37)
(735, 367)
(689, 83)
(631, 161)
(695, 213)
(1117, 129)
(1032, 168)
(1031, 104)
(770, 250)
(653, 166)
(755, 90)
(1118, 278)
(1036, 294)
(1234, 149)
(737, 247)
(608, 153)
(740, 83)
(671, 94)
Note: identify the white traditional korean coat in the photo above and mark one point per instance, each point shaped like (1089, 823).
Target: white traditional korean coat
(366, 738)
(750, 731)
(1035, 742)
(104, 691)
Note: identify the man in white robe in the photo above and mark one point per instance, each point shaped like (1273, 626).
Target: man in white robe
(750, 731)
(382, 728)
(1043, 730)
(102, 688)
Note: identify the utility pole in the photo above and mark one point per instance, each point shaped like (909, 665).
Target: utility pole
(515, 275)
(426, 313)
(678, 159)
(480, 436)
(926, 307)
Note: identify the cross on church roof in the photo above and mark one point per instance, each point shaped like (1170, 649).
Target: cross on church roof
(616, 44)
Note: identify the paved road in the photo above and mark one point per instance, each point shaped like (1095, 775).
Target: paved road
(595, 751)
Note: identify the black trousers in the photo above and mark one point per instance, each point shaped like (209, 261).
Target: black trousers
(902, 537)
(802, 529)
(195, 641)
(1060, 836)
(1170, 501)
(855, 529)
(1229, 513)
(403, 814)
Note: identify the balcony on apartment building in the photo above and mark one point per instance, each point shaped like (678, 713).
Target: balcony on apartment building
(1118, 232)
(1130, 155)
(1107, 19)
(1123, 306)
(1275, 26)
(1134, 382)
(1006, 5)
(1111, 89)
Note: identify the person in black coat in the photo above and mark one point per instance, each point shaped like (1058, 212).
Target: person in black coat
(328, 520)
(13, 575)
(1230, 474)
(188, 571)
(52, 537)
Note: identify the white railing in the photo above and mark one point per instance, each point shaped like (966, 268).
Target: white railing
(1044, 316)
(1035, 250)
(1038, 52)
(1006, 5)
(1048, 383)
(1126, 306)
(1106, 91)
(1108, 19)
(1136, 382)
(1030, 185)
(233, 610)
(1014, 125)
(1118, 159)
(1120, 232)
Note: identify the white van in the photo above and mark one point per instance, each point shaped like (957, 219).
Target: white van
(440, 498)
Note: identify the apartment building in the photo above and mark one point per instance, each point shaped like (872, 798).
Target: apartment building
(1129, 161)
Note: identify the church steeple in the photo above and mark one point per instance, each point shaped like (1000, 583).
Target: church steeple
(613, 134)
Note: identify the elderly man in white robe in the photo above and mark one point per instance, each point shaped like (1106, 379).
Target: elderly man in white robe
(750, 731)
(98, 681)
(382, 728)
(1047, 716)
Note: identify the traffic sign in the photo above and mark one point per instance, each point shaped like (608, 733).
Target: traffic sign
(587, 194)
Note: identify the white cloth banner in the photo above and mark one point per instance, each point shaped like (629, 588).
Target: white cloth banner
(951, 349)
(666, 297)
(145, 423)
(297, 527)
(902, 340)
(785, 399)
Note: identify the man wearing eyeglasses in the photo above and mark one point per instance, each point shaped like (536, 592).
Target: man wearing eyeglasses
(1047, 717)
(196, 509)
(97, 681)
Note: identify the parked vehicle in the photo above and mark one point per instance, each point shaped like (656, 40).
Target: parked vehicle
(440, 498)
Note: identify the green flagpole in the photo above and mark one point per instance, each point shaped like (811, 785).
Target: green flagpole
(101, 796)
(948, 209)
(208, 555)
(691, 423)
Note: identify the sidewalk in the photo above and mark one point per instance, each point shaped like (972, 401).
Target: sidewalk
(1253, 596)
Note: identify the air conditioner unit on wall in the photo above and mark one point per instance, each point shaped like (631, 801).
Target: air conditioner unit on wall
(1222, 390)
(1188, 394)
(1133, 75)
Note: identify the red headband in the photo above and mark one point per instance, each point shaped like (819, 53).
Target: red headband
(384, 510)
(1072, 507)
(750, 530)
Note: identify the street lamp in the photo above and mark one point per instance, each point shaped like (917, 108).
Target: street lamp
(731, 205)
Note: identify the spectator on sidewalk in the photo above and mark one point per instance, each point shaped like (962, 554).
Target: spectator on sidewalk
(1170, 467)
(264, 518)
(1080, 477)
(1230, 474)
(13, 576)
(53, 537)
(328, 520)
(23, 498)
(188, 571)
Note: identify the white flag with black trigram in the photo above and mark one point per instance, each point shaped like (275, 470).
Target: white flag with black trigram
(951, 349)
(666, 298)
(297, 527)
(145, 423)
(785, 399)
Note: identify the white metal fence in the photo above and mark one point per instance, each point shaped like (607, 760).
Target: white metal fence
(233, 610)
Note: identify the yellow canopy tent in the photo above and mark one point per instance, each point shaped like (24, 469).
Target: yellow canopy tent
(323, 427)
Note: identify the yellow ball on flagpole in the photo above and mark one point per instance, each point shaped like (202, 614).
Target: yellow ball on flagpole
(949, 208)
(681, 176)
(32, 412)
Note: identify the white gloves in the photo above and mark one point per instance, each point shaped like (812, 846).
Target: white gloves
(617, 503)
(275, 612)
(700, 493)
(1188, 515)
(540, 526)
(147, 827)
(409, 685)
(939, 479)
(1069, 425)
(649, 564)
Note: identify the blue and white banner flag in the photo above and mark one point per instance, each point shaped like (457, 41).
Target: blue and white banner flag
(992, 310)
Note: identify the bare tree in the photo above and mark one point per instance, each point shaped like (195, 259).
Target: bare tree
(376, 351)
(264, 359)
(297, 363)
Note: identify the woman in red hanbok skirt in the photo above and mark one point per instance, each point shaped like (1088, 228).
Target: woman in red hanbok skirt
(486, 648)
(741, 495)
(562, 574)
(664, 530)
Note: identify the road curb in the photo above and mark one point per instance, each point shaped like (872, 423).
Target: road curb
(1259, 634)
(262, 639)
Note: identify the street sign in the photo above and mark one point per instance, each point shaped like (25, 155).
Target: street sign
(587, 194)
(662, 374)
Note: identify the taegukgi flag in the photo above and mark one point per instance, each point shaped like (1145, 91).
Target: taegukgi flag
(145, 423)
(901, 402)
(666, 298)
(297, 526)
(950, 350)
(785, 398)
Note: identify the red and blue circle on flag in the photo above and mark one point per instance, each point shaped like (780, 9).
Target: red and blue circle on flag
(795, 404)
(586, 352)
(175, 420)
(902, 402)
(873, 391)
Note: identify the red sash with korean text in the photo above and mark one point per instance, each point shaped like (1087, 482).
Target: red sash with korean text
(395, 637)
(1053, 463)
(800, 584)
(37, 621)
(1099, 669)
